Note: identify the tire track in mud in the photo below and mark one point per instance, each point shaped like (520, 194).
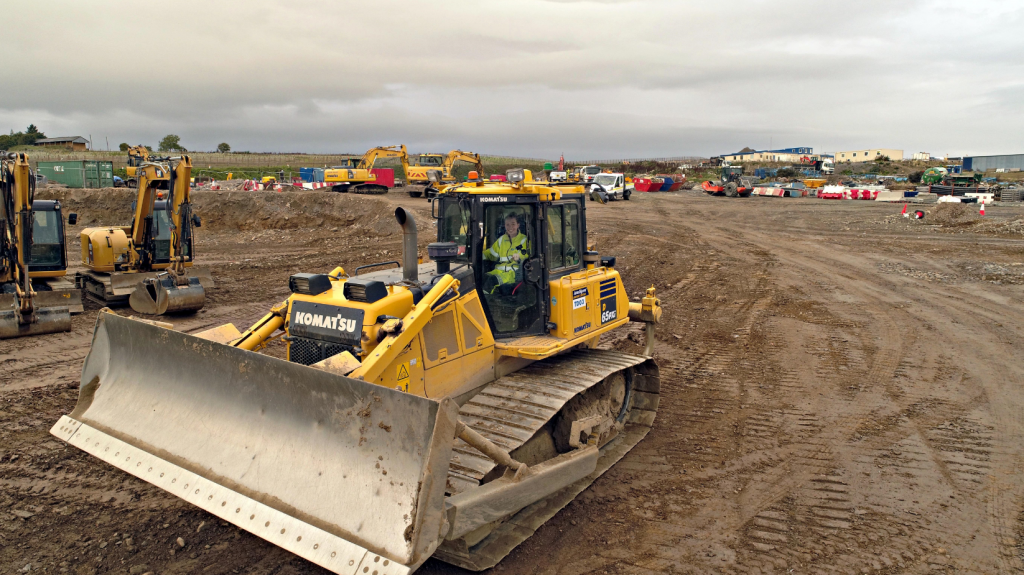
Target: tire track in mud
(814, 504)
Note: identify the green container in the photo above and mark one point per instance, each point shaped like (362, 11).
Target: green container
(79, 173)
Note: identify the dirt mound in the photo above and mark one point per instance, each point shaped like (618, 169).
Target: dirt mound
(228, 210)
(1008, 227)
(953, 215)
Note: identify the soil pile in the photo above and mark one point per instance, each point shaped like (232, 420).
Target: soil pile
(228, 210)
(953, 215)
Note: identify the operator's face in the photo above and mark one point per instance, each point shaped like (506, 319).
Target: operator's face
(512, 227)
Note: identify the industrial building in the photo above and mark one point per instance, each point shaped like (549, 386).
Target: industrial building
(1013, 162)
(786, 155)
(74, 143)
(868, 155)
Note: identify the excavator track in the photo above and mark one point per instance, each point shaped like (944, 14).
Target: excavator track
(369, 189)
(523, 405)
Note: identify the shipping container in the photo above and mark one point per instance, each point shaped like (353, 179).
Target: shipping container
(78, 173)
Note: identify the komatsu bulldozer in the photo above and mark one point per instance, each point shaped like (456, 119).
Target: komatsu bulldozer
(420, 180)
(441, 409)
(149, 263)
(357, 178)
(34, 296)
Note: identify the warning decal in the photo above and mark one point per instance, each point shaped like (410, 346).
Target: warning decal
(403, 372)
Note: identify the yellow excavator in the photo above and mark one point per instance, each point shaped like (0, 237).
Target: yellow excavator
(149, 263)
(355, 176)
(445, 409)
(418, 176)
(34, 296)
(137, 155)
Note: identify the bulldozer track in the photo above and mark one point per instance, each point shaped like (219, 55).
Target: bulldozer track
(514, 408)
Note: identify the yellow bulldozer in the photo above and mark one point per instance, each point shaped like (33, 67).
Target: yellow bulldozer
(419, 176)
(440, 409)
(149, 263)
(34, 296)
(356, 176)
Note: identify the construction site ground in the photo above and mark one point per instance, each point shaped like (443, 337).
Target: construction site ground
(843, 392)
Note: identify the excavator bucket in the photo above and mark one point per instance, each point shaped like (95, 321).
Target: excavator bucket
(346, 474)
(162, 294)
(53, 315)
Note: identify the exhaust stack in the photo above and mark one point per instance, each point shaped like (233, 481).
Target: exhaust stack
(410, 261)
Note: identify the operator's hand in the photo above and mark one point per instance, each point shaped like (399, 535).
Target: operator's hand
(515, 256)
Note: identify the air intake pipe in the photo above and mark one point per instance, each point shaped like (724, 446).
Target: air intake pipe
(410, 259)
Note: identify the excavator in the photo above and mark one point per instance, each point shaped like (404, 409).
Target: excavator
(419, 182)
(137, 155)
(355, 177)
(149, 263)
(446, 408)
(34, 296)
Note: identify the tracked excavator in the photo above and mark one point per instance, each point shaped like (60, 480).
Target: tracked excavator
(149, 263)
(356, 177)
(419, 178)
(441, 409)
(34, 296)
(137, 155)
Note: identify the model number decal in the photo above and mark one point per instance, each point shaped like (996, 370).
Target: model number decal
(579, 302)
(609, 311)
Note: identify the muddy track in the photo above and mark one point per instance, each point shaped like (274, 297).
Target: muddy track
(842, 393)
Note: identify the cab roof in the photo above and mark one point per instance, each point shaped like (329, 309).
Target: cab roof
(542, 190)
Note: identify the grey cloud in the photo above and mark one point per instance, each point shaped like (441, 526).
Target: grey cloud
(529, 77)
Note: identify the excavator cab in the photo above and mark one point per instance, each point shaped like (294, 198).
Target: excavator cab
(49, 252)
(431, 160)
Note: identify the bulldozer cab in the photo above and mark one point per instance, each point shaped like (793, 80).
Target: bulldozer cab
(514, 249)
(48, 253)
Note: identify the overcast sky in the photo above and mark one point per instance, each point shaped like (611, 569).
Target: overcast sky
(590, 79)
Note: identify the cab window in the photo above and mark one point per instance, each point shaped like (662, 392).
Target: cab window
(511, 301)
(563, 236)
(455, 227)
(46, 248)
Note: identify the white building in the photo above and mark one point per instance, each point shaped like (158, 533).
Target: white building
(922, 156)
(868, 155)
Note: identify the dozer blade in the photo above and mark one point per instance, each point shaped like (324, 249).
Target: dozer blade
(345, 474)
(49, 318)
(161, 294)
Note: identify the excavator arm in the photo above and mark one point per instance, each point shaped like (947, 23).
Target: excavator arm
(181, 212)
(460, 156)
(371, 156)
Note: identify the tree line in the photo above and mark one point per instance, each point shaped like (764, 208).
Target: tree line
(26, 138)
(172, 143)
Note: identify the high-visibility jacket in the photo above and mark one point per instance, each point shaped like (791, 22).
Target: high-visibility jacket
(501, 252)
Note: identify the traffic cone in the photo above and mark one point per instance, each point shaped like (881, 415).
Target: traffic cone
(905, 211)
(982, 212)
